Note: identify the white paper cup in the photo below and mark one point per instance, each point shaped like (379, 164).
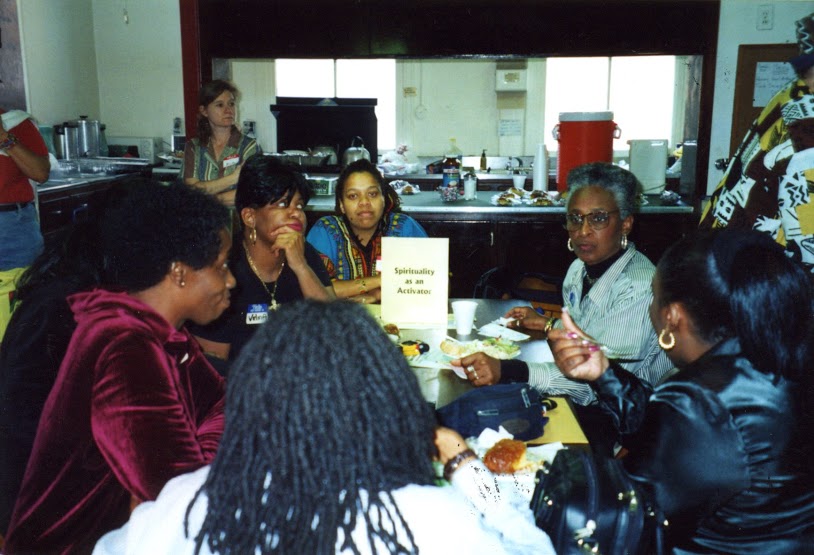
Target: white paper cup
(519, 181)
(470, 189)
(464, 312)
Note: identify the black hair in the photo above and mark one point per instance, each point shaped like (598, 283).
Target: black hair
(156, 225)
(206, 95)
(72, 256)
(263, 179)
(313, 416)
(619, 182)
(392, 201)
(739, 283)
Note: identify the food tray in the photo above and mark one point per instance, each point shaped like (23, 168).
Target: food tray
(323, 185)
(520, 197)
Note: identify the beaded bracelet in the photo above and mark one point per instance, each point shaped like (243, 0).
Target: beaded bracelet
(11, 140)
(456, 461)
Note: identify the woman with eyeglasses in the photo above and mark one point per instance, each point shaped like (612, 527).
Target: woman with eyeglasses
(606, 290)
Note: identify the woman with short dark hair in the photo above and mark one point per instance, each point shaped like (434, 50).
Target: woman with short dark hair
(272, 262)
(350, 242)
(39, 331)
(134, 402)
(329, 448)
(724, 445)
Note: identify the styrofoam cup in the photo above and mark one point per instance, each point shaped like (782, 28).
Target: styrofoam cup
(519, 181)
(464, 312)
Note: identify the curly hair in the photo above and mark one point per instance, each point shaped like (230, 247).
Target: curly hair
(319, 432)
(206, 95)
(724, 278)
(622, 184)
(72, 256)
(392, 202)
(263, 180)
(156, 225)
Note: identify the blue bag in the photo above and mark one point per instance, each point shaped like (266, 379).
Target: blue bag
(517, 407)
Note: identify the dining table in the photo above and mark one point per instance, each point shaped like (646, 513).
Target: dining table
(440, 385)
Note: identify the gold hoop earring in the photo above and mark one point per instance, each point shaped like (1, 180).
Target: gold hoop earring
(624, 241)
(667, 345)
(253, 235)
(569, 245)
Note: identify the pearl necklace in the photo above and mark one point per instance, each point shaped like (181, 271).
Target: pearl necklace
(273, 292)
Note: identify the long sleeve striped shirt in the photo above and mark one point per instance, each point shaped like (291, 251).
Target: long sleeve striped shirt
(615, 313)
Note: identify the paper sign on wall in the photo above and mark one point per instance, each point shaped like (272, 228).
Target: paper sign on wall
(415, 281)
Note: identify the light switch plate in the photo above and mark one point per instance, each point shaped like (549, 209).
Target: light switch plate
(510, 80)
(765, 17)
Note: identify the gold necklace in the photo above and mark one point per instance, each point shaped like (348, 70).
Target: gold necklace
(273, 292)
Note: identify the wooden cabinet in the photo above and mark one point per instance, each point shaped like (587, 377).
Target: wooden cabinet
(527, 243)
(534, 247)
(60, 206)
(471, 251)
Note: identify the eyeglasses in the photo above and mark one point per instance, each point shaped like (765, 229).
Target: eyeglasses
(596, 220)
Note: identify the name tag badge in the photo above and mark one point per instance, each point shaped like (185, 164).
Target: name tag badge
(230, 161)
(257, 314)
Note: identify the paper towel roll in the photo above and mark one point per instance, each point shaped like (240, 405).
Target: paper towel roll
(648, 162)
(540, 176)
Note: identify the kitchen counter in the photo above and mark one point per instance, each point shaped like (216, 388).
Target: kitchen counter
(429, 202)
(63, 183)
(523, 239)
(64, 200)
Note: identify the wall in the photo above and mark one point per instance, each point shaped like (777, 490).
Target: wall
(139, 66)
(80, 57)
(255, 80)
(59, 59)
(738, 26)
(428, 119)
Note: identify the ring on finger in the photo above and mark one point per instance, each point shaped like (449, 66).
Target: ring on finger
(475, 375)
(470, 368)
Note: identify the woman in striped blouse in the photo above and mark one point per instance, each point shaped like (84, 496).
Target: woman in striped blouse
(606, 289)
(213, 159)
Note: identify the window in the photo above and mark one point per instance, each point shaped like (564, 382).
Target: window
(345, 79)
(639, 90)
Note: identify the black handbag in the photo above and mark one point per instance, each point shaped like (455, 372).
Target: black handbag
(517, 407)
(589, 504)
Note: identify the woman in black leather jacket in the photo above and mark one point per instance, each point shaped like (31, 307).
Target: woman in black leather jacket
(723, 445)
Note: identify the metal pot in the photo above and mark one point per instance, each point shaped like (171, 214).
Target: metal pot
(66, 141)
(89, 131)
(328, 151)
(355, 153)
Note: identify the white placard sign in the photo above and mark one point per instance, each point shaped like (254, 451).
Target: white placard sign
(770, 77)
(415, 281)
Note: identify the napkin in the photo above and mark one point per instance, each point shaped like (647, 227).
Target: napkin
(493, 329)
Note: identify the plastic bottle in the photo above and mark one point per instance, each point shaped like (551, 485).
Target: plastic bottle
(451, 168)
(483, 160)
(453, 149)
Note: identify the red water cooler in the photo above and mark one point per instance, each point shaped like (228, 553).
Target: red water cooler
(583, 137)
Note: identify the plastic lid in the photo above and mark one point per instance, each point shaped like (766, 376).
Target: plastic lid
(586, 116)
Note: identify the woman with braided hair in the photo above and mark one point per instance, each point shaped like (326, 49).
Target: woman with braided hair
(328, 448)
(350, 242)
(724, 445)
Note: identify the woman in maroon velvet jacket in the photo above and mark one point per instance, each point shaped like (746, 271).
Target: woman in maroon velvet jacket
(135, 402)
